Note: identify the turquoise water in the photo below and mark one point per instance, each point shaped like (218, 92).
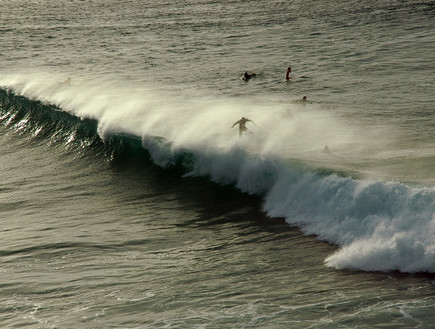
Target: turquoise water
(127, 201)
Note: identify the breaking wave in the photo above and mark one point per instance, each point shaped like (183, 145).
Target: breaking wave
(378, 225)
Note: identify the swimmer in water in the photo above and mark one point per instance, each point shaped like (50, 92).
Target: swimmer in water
(242, 125)
(303, 101)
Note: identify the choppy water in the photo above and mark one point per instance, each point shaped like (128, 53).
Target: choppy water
(127, 201)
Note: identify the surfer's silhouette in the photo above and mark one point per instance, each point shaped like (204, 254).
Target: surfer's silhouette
(242, 125)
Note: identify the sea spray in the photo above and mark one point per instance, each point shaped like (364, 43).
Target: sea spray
(284, 130)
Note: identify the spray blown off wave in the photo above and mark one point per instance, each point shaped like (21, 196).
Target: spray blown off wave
(379, 226)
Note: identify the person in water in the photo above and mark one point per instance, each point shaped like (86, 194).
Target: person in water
(247, 76)
(287, 74)
(303, 101)
(288, 77)
(242, 125)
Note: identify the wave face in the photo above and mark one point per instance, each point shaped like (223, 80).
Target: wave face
(41, 120)
(378, 225)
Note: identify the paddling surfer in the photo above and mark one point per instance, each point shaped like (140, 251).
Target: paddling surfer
(246, 76)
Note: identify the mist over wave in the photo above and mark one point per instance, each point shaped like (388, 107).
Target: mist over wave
(282, 129)
(379, 225)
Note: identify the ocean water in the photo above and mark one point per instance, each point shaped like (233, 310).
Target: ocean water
(128, 201)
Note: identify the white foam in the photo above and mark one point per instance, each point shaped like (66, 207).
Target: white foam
(378, 226)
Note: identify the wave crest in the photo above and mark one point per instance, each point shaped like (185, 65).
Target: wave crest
(379, 226)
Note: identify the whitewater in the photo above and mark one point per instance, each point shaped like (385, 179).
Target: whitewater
(378, 225)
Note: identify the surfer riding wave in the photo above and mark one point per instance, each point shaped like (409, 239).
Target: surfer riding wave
(242, 125)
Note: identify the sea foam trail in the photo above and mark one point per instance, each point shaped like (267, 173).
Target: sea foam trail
(379, 226)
